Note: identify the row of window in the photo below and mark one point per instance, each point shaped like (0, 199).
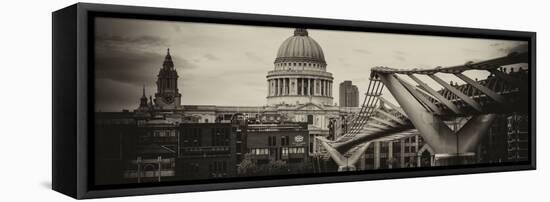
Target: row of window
(166, 133)
(259, 151)
(298, 64)
(272, 140)
(292, 150)
(285, 151)
(193, 136)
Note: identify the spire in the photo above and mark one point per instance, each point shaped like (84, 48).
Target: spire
(143, 99)
(168, 60)
(300, 32)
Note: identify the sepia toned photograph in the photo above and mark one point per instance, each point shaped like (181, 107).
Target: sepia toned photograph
(188, 101)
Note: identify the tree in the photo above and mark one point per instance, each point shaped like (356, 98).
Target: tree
(247, 167)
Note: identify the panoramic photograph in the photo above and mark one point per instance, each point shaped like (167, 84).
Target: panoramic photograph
(189, 101)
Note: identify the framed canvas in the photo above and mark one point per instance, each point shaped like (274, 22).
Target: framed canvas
(155, 100)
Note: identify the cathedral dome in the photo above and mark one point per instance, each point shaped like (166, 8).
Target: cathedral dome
(300, 75)
(300, 47)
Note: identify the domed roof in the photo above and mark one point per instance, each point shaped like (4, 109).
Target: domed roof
(300, 46)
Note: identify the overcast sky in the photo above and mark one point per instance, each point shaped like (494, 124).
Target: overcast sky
(227, 64)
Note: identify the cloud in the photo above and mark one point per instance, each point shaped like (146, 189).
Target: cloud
(343, 61)
(120, 70)
(134, 40)
(131, 66)
(211, 57)
(112, 95)
(362, 51)
(396, 52)
(399, 57)
(252, 56)
(518, 48)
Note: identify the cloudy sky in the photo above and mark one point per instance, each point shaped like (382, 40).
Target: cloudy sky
(227, 64)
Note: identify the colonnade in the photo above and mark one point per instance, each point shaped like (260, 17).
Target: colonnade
(300, 86)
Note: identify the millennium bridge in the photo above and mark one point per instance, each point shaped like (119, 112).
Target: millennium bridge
(423, 110)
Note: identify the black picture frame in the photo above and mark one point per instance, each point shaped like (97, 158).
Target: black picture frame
(72, 70)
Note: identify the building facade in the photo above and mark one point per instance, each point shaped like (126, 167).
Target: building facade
(408, 152)
(207, 151)
(283, 141)
(349, 94)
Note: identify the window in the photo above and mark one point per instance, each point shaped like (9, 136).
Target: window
(309, 119)
(285, 140)
(259, 151)
(284, 151)
(272, 141)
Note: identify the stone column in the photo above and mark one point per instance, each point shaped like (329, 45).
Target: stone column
(320, 87)
(302, 86)
(314, 86)
(284, 86)
(274, 86)
(325, 86)
(279, 87)
(268, 87)
(402, 153)
(376, 155)
(317, 86)
(308, 86)
(296, 86)
(330, 88)
(322, 82)
(390, 155)
(287, 86)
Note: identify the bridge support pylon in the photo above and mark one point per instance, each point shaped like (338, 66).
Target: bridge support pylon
(344, 163)
(434, 131)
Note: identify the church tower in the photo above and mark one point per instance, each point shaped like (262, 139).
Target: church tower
(167, 96)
